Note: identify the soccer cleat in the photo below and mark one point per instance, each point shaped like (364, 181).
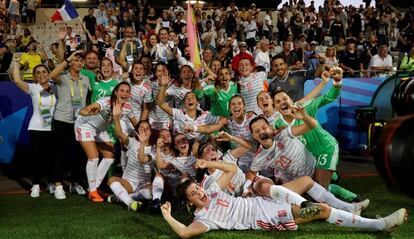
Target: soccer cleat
(135, 205)
(112, 199)
(394, 220)
(155, 205)
(360, 206)
(59, 192)
(95, 197)
(50, 188)
(76, 189)
(35, 191)
(309, 210)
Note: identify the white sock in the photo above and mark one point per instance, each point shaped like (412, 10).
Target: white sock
(157, 187)
(121, 193)
(320, 194)
(102, 169)
(283, 194)
(124, 160)
(144, 194)
(91, 171)
(345, 219)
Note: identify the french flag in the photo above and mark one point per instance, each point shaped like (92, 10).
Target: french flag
(66, 13)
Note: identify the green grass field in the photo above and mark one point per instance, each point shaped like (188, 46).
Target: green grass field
(76, 217)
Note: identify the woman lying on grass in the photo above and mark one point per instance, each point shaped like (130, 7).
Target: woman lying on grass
(216, 209)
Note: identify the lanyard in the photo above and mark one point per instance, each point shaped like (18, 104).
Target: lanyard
(52, 99)
(72, 90)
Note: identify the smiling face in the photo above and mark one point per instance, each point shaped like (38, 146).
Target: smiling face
(166, 136)
(153, 40)
(186, 74)
(181, 144)
(137, 72)
(237, 107)
(280, 67)
(41, 75)
(106, 68)
(264, 101)
(190, 101)
(163, 35)
(197, 196)
(76, 63)
(92, 60)
(215, 65)
(245, 68)
(210, 153)
(262, 133)
(224, 77)
(123, 93)
(282, 102)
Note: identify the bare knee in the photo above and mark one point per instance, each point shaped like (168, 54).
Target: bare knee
(326, 211)
(112, 179)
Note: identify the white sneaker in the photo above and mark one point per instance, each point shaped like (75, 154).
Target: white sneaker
(360, 206)
(35, 191)
(394, 220)
(59, 192)
(51, 188)
(76, 189)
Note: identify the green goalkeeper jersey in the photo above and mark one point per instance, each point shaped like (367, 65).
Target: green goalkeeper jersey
(316, 140)
(219, 98)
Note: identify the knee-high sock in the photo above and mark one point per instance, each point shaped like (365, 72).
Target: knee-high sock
(91, 172)
(124, 160)
(102, 169)
(341, 192)
(157, 187)
(142, 194)
(346, 219)
(283, 194)
(121, 193)
(320, 194)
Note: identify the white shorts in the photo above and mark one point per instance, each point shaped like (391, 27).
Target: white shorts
(276, 216)
(84, 134)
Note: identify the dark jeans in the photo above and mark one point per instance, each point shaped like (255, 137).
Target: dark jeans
(42, 160)
(69, 154)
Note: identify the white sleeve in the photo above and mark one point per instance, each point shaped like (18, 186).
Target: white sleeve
(32, 89)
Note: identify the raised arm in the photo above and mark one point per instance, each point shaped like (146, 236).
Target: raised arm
(308, 122)
(116, 114)
(55, 74)
(16, 75)
(183, 231)
(208, 128)
(228, 171)
(143, 136)
(123, 54)
(145, 111)
(317, 90)
(165, 79)
(160, 163)
(238, 151)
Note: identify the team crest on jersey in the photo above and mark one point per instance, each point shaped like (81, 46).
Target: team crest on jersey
(291, 81)
(88, 134)
(282, 213)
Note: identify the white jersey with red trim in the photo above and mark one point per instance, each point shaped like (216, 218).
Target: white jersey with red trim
(287, 155)
(159, 119)
(135, 172)
(250, 87)
(181, 119)
(237, 181)
(104, 118)
(140, 94)
(243, 131)
(227, 212)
